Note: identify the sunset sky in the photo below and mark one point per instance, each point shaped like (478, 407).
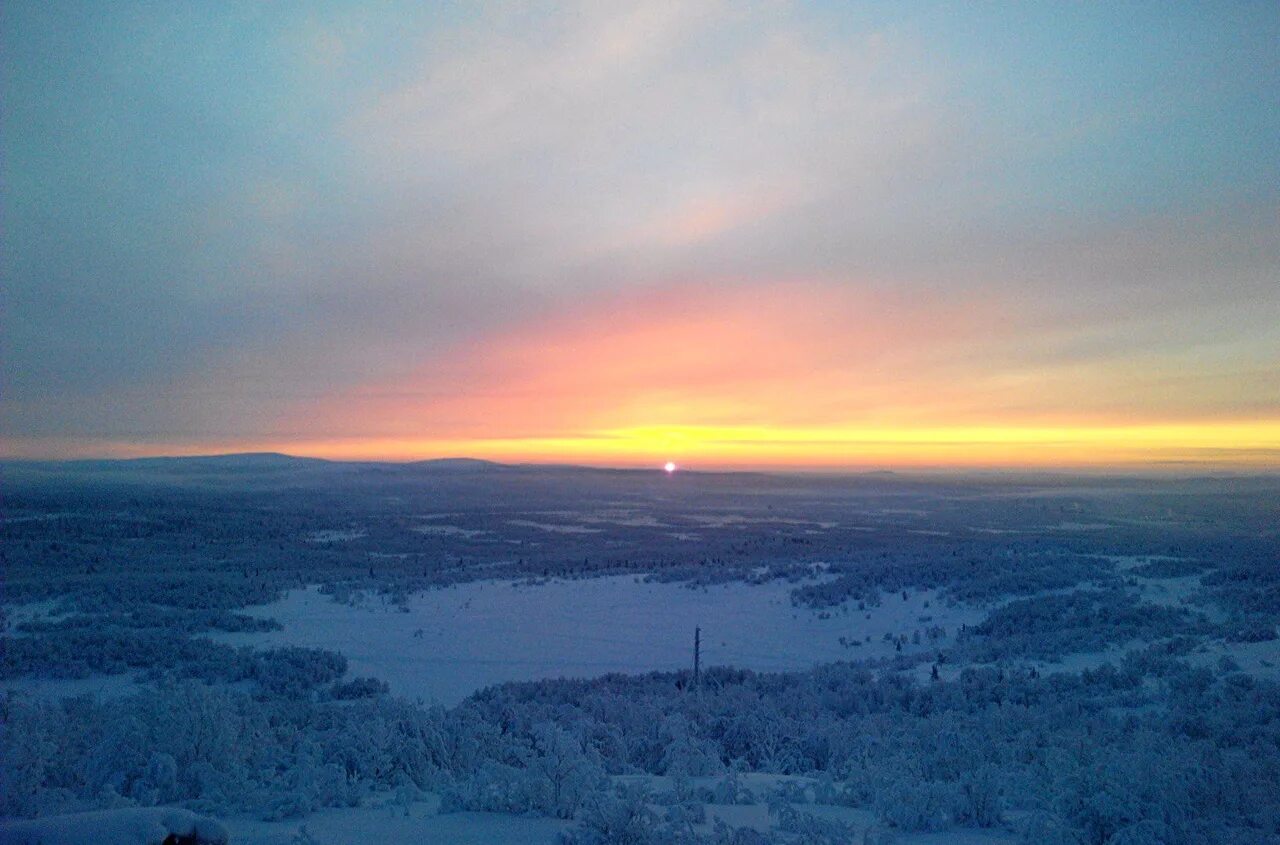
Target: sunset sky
(734, 234)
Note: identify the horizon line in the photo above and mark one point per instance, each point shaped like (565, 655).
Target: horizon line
(1165, 469)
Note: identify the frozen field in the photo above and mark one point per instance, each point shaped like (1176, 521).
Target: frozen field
(445, 644)
(451, 582)
(420, 821)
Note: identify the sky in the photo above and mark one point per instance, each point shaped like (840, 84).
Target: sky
(728, 234)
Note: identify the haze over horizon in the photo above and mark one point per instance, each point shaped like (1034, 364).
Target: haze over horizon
(732, 236)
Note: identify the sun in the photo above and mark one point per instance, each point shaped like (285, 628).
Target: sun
(669, 466)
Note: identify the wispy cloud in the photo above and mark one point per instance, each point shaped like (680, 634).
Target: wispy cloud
(522, 220)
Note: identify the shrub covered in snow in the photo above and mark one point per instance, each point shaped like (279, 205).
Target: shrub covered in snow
(1095, 752)
(1050, 626)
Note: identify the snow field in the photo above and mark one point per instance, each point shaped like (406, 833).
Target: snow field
(444, 644)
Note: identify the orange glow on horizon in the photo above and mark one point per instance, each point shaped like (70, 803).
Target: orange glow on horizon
(800, 375)
(1239, 445)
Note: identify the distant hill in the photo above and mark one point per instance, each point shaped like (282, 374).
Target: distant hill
(247, 470)
(197, 469)
(457, 464)
(234, 460)
(266, 472)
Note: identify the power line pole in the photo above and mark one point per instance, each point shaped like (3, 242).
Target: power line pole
(697, 657)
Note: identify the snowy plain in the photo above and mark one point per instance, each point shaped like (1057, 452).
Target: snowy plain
(421, 821)
(450, 583)
(442, 645)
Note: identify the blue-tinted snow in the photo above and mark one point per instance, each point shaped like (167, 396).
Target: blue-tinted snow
(453, 641)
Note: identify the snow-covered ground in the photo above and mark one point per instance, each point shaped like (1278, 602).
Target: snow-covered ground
(448, 643)
(420, 821)
(335, 535)
(420, 825)
(554, 527)
(417, 823)
(132, 826)
(103, 686)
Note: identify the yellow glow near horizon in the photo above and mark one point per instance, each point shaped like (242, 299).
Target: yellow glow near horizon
(1240, 445)
(788, 374)
(1248, 443)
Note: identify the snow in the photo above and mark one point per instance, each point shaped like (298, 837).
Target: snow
(335, 535)
(34, 611)
(419, 824)
(865, 819)
(451, 531)
(454, 641)
(57, 688)
(627, 517)
(1177, 592)
(102, 686)
(1127, 562)
(729, 520)
(554, 527)
(134, 826)
(1261, 660)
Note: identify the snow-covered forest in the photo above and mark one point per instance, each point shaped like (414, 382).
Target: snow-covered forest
(1002, 659)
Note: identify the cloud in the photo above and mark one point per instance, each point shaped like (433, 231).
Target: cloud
(592, 135)
(517, 218)
(787, 354)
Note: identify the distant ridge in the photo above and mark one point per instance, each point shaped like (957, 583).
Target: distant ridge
(250, 460)
(265, 471)
(462, 464)
(245, 459)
